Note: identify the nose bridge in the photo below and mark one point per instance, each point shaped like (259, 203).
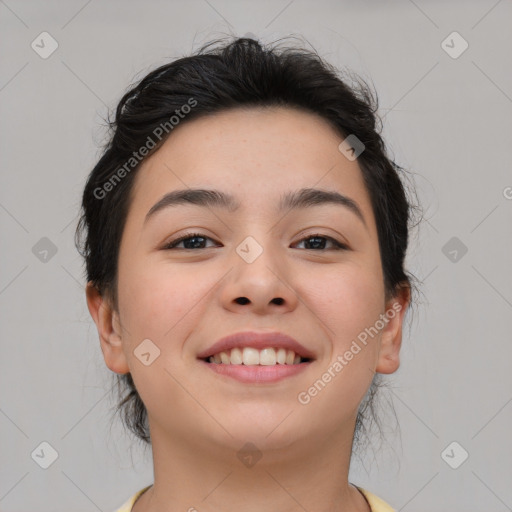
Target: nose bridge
(257, 260)
(256, 237)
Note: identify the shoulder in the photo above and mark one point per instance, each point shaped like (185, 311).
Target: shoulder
(128, 504)
(376, 503)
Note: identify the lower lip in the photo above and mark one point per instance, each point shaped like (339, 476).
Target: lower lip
(257, 373)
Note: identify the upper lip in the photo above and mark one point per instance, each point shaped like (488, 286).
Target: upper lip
(258, 340)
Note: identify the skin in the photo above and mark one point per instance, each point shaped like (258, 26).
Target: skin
(184, 301)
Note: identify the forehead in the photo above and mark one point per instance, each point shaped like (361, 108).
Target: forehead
(256, 155)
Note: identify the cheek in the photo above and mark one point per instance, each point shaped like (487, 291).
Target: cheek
(151, 301)
(162, 302)
(346, 303)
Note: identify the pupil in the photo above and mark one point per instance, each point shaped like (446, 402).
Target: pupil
(189, 242)
(318, 240)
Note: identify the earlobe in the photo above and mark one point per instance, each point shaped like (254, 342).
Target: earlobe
(391, 337)
(106, 320)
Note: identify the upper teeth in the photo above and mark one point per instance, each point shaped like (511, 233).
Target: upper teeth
(253, 356)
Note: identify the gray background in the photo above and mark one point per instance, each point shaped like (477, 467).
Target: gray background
(446, 119)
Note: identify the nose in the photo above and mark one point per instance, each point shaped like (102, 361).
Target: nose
(261, 286)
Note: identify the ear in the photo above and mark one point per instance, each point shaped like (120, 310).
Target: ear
(108, 325)
(391, 338)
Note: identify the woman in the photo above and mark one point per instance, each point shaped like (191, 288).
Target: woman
(245, 236)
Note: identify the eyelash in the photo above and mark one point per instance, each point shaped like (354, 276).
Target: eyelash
(337, 245)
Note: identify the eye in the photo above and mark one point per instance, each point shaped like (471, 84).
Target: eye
(190, 241)
(318, 242)
(197, 241)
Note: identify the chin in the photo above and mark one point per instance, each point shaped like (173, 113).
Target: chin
(266, 431)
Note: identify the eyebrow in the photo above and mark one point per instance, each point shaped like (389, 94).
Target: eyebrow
(209, 198)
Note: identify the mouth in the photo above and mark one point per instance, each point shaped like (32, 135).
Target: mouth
(252, 366)
(253, 356)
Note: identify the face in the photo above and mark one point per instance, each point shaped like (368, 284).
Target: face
(290, 276)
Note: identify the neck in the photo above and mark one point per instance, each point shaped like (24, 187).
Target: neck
(197, 476)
